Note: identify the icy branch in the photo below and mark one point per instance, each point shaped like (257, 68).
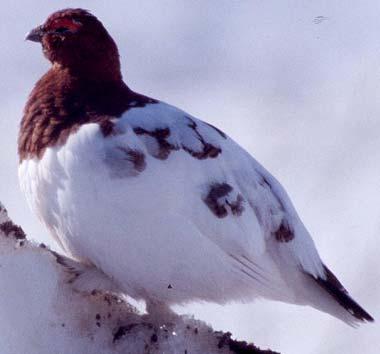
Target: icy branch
(52, 304)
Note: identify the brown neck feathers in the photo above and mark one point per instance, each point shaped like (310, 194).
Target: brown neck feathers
(63, 100)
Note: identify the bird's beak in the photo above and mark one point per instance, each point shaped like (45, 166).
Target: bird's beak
(35, 35)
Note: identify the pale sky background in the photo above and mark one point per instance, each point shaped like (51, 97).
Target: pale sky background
(299, 92)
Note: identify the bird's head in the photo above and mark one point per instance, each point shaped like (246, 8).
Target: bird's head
(76, 40)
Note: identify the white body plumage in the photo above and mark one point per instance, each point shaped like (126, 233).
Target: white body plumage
(174, 211)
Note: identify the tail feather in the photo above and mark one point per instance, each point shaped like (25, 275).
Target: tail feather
(332, 285)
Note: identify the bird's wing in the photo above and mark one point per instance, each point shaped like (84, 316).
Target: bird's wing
(216, 184)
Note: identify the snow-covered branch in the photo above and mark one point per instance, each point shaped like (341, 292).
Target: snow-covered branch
(52, 304)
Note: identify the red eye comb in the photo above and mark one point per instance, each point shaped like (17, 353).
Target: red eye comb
(70, 24)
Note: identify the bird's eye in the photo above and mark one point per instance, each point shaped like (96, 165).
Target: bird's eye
(61, 30)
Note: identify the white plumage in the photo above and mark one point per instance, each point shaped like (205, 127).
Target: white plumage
(175, 211)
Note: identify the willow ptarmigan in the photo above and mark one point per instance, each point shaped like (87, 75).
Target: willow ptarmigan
(165, 204)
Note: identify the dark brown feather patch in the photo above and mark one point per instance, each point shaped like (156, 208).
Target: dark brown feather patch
(208, 150)
(124, 162)
(284, 233)
(236, 206)
(332, 285)
(136, 157)
(218, 202)
(160, 135)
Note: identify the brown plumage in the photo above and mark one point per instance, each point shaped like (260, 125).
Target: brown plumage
(83, 85)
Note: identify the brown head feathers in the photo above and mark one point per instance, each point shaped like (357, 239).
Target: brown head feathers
(76, 40)
(83, 85)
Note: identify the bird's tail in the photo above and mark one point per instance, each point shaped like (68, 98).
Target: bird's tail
(330, 296)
